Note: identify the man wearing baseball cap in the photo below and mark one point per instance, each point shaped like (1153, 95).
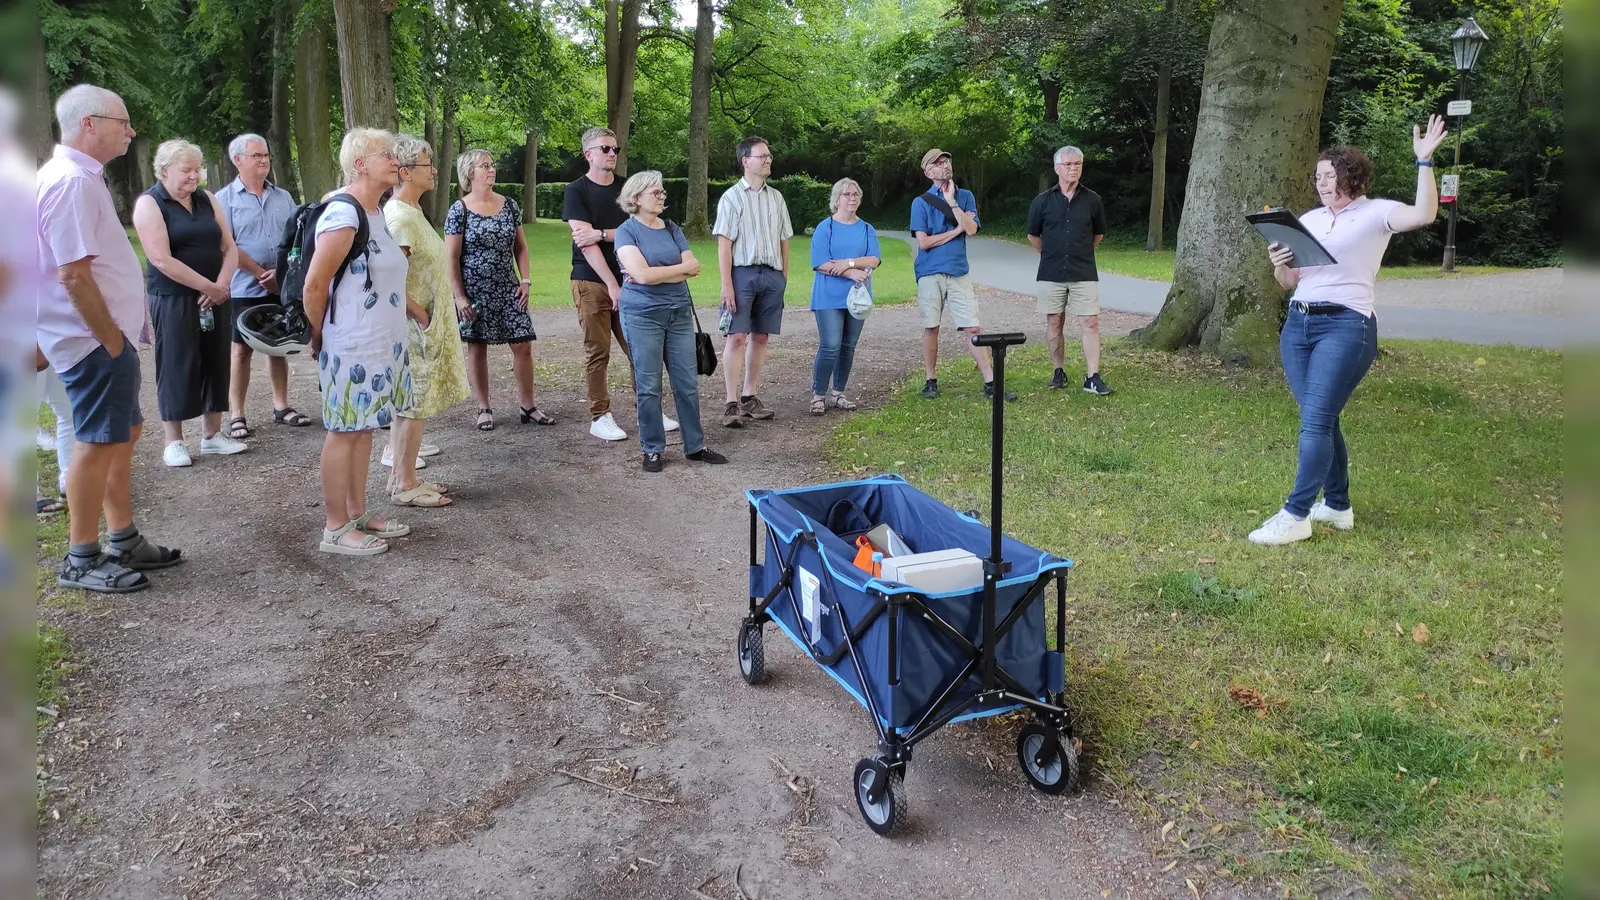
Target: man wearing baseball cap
(941, 219)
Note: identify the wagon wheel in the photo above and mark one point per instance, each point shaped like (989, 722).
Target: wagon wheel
(888, 812)
(1050, 764)
(752, 656)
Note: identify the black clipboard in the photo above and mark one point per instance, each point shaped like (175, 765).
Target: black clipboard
(1280, 226)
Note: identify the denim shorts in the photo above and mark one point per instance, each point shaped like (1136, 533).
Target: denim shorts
(104, 391)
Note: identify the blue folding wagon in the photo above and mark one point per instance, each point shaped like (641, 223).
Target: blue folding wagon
(916, 660)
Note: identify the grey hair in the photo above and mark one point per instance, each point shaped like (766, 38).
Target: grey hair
(240, 144)
(465, 164)
(1066, 151)
(79, 101)
(358, 142)
(838, 189)
(637, 184)
(408, 148)
(169, 153)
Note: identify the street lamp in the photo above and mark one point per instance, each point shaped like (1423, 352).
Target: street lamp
(1465, 45)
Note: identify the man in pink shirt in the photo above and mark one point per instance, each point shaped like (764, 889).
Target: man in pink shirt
(91, 314)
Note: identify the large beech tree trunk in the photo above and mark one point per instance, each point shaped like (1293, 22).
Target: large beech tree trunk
(1158, 147)
(622, 58)
(313, 101)
(366, 72)
(1255, 143)
(697, 216)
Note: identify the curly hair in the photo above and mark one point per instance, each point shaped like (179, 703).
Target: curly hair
(1352, 170)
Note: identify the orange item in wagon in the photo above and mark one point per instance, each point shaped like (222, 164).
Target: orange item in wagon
(864, 551)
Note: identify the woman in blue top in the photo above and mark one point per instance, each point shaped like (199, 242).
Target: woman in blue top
(658, 318)
(844, 251)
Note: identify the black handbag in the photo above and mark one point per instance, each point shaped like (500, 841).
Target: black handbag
(705, 353)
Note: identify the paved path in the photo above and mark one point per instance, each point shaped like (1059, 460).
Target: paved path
(1516, 308)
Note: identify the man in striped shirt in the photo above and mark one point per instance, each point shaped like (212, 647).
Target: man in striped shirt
(752, 232)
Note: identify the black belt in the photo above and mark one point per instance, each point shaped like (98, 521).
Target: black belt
(1318, 309)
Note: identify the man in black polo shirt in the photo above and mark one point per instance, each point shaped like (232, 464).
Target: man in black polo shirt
(589, 204)
(1065, 225)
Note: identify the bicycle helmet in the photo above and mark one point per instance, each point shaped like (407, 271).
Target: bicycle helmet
(275, 329)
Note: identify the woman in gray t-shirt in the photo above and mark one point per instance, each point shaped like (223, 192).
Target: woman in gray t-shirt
(658, 318)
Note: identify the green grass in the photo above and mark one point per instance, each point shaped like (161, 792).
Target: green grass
(1444, 754)
(550, 259)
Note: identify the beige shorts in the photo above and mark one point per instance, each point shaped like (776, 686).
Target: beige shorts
(936, 293)
(1074, 298)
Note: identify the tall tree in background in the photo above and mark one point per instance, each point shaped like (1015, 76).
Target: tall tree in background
(622, 60)
(313, 102)
(278, 132)
(1158, 145)
(366, 72)
(1260, 108)
(697, 220)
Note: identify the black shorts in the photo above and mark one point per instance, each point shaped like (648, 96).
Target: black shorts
(237, 305)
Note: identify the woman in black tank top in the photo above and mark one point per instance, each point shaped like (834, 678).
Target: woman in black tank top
(191, 258)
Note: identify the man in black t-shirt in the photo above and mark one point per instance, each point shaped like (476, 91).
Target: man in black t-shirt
(1066, 224)
(590, 207)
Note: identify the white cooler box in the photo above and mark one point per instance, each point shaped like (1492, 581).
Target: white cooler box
(935, 571)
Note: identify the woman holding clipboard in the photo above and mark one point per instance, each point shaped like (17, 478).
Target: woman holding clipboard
(1331, 334)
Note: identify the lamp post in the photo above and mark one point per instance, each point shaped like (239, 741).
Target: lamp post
(1465, 45)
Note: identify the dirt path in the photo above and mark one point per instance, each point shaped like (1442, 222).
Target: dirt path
(273, 722)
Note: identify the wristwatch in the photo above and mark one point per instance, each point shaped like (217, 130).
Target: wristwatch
(527, 281)
(852, 264)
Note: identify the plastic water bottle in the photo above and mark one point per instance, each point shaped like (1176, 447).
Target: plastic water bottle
(725, 321)
(208, 318)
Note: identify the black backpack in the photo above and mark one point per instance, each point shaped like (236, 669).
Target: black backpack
(300, 242)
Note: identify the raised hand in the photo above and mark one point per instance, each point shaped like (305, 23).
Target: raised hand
(1425, 144)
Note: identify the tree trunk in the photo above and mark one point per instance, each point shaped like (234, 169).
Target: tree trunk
(366, 72)
(278, 131)
(1050, 87)
(697, 215)
(530, 178)
(1255, 141)
(430, 133)
(1158, 148)
(143, 163)
(313, 101)
(222, 167)
(446, 160)
(44, 138)
(622, 57)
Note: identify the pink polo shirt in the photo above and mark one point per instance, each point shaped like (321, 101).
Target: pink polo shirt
(1357, 237)
(77, 220)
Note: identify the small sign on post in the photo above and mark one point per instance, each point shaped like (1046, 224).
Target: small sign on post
(1458, 108)
(1449, 186)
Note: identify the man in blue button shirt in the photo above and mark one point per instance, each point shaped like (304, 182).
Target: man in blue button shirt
(257, 211)
(941, 220)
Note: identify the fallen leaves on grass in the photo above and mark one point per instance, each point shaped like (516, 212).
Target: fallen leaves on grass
(1250, 698)
(1420, 633)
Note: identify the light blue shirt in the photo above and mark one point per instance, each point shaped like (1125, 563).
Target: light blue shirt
(948, 258)
(831, 240)
(257, 224)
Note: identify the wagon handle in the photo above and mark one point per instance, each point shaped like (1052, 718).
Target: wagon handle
(995, 567)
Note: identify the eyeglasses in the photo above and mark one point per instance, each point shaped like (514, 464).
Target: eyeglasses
(385, 154)
(126, 123)
(484, 167)
(759, 156)
(1071, 165)
(850, 195)
(658, 192)
(257, 157)
(606, 149)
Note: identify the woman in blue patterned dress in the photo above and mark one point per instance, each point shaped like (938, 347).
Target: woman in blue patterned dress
(489, 277)
(359, 334)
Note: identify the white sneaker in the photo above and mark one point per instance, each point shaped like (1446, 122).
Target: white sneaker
(388, 459)
(220, 444)
(1322, 512)
(1282, 528)
(605, 428)
(427, 449)
(670, 423)
(176, 455)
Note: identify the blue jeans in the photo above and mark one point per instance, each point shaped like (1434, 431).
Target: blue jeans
(837, 332)
(1324, 358)
(652, 334)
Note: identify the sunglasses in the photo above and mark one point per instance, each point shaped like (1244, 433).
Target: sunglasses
(607, 149)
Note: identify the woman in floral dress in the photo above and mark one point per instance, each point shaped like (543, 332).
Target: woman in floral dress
(358, 329)
(437, 371)
(483, 233)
